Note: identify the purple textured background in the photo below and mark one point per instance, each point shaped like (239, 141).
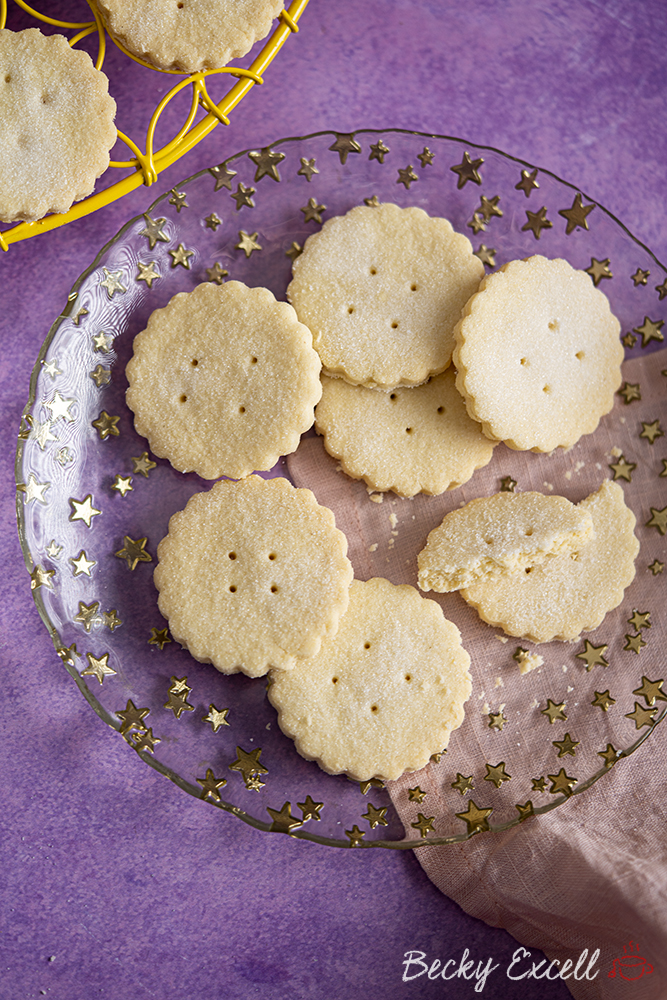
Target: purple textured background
(133, 886)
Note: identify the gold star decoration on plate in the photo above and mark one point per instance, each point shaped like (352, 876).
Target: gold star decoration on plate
(593, 655)
(425, 157)
(133, 552)
(67, 654)
(477, 223)
(641, 716)
(344, 145)
(487, 255)
(629, 340)
(370, 783)
(131, 717)
(424, 824)
(640, 277)
(463, 783)
(83, 510)
(576, 215)
(79, 316)
(179, 685)
(656, 567)
(51, 367)
(416, 794)
(539, 784)
(507, 484)
(247, 242)
(60, 407)
(623, 469)
(307, 168)
(651, 690)
(561, 783)
(102, 342)
(496, 773)
(112, 282)
(147, 272)
(110, 619)
(310, 809)
(122, 484)
(210, 785)
(651, 329)
(488, 207)
(101, 376)
(610, 755)
(312, 211)
(378, 151)
(467, 170)
(475, 818)
(662, 289)
(217, 273)
(497, 720)
(603, 700)
(178, 200)
(598, 270)
(41, 578)
(566, 746)
(266, 161)
(375, 816)
(249, 766)
(243, 197)
(527, 182)
(216, 717)
(435, 758)
(212, 222)
(355, 834)
(640, 619)
(406, 176)
(554, 712)
(525, 810)
(53, 550)
(630, 391)
(144, 740)
(283, 821)
(634, 643)
(34, 490)
(153, 231)
(98, 667)
(372, 202)
(177, 702)
(223, 176)
(159, 637)
(651, 431)
(181, 256)
(142, 465)
(294, 251)
(536, 222)
(106, 425)
(42, 433)
(82, 564)
(87, 615)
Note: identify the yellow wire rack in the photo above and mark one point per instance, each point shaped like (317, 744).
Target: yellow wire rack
(147, 164)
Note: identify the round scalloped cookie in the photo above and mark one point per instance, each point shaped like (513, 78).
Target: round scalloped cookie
(569, 593)
(381, 290)
(252, 575)
(191, 35)
(538, 355)
(57, 124)
(384, 694)
(411, 440)
(223, 380)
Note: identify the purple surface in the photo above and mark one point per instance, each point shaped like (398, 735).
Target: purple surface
(133, 886)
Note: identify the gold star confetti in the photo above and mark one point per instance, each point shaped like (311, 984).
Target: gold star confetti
(634, 643)
(133, 552)
(598, 270)
(106, 425)
(266, 161)
(371, 783)
(98, 667)
(651, 690)
(640, 277)
(406, 176)
(435, 758)
(477, 224)
(82, 564)
(142, 465)
(60, 407)
(640, 619)
(112, 282)
(223, 176)
(641, 716)
(79, 316)
(42, 434)
(650, 432)
(87, 615)
(537, 221)
(610, 755)
(101, 376)
(566, 746)
(67, 654)
(603, 700)
(110, 619)
(355, 834)
(294, 251)
(178, 200)
(310, 809)
(651, 329)
(525, 810)
(53, 550)
(243, 197)
(497, 774)
(416, 794)
(593, 655)
(41, 578)
(102, 342)
(497, 720)
(344, 145)
(159, 637)
(424, 824)
(210, 785)
(217, 273)
(307, 168)
(247, 242)
(212, 222)
(576, 216)
(463, 784)
(216, 718)
(561, 782)
(554, 712)
(179, 685)
(122, 484)
(153, 231)
(489, 207)
(467, 170)
(34, 490)
(372, 202)
(475, 818)
(375, 816)
(507, 484)
(83, 510)
(630, 391)
(629, 340)
(181, 256)
(662, 289)
(144, 740)
(664, 468)
(656, 567)
(51, 368)
(487, 255)
(177, 702)
(312, 211)
(132, 717)
(623, 469)
(527, 182)
(147, 273)
(253, 783)
(248, 763)
(425, 157)
(378, 151)
(539, 784)
(283, 821)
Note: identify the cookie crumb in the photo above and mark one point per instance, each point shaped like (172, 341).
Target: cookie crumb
(499, 682)
(373, 547)
(616, 451)
(393, 520)
(527, 661)
(376, 497)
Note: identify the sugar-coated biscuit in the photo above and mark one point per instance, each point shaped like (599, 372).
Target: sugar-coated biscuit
(538, 355)
(384, 693)
(410, 440)
(381, 290)
(191, 35)
(57, 124)
(572, 592)
(503, 533)
(223, 380)
(252, 575)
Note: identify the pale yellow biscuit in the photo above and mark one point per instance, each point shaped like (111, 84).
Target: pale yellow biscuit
(381, 290)
(572, 592)
(252, 575)
(410, 440)
(223, 380)
(538, 355)
(503, 533)
(384, 694)
(191, 35)
(57, 124)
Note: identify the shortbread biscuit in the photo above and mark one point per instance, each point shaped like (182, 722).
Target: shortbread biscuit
(189, 36)
(381, 290)
(384, 694)
(410, 441)
(538, 355)
(57, 124)
(223, 380)
(571, 592)
(252, 575)
(504, 533)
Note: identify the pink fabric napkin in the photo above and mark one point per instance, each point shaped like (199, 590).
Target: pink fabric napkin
(591, 873)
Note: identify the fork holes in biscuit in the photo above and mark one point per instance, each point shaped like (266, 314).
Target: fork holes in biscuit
(232, 589)
(579, 355)
(546, 388)
(374, 270)
(183, 399)
(350, 310)
(489, 541)
(232, 555)
(393, 397)
(272, 555)
(274, 588)
(441, 409)
(367, 645)
(394, 325)
(408, 430)
(524, 361)
(334, 680)
(413, 288)
(408, 677)
(241, 409)
(553, 325)
(374, 708)
(253, 361)
(528, 531)
(8, 78)
(195, 362)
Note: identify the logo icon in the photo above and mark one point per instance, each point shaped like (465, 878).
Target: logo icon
(630, 965)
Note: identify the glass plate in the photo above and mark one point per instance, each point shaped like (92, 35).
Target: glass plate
(93, 503)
